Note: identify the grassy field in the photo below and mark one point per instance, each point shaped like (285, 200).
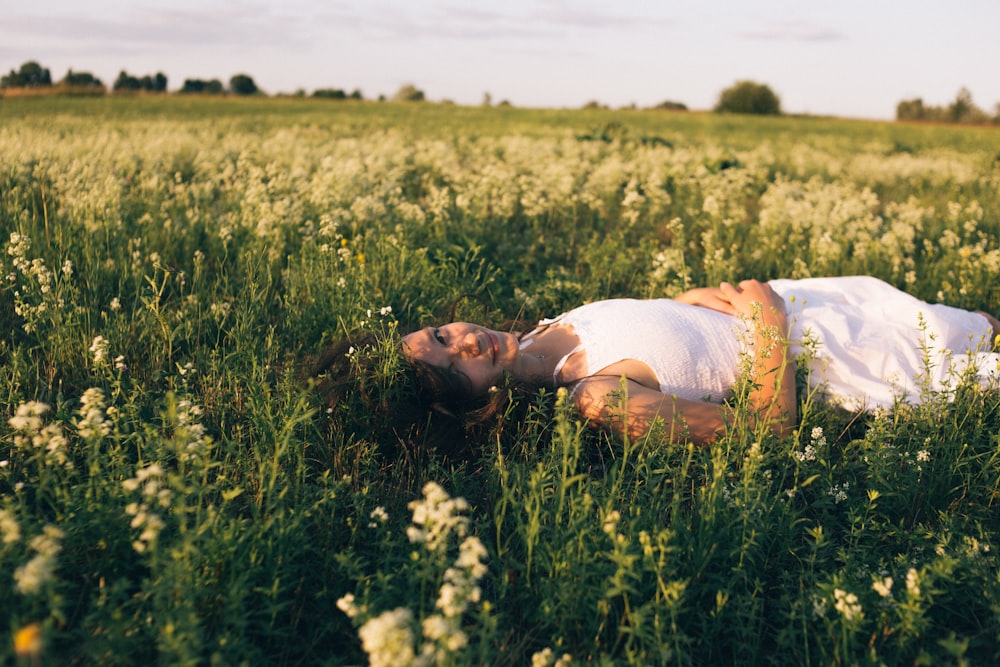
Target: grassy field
(172, 492)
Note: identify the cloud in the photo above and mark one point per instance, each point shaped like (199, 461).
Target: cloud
(451, 21)
(793, 31)
(236, 23)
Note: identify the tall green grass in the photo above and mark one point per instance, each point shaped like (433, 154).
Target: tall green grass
(171, 491)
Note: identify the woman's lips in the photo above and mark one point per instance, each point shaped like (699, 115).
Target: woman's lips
(494, 346)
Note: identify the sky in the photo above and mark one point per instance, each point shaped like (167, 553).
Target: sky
(848, 58)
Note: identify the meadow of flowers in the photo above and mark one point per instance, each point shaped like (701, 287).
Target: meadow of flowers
(172, 490)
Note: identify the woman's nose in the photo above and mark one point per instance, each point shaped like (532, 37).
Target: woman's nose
(467, 344)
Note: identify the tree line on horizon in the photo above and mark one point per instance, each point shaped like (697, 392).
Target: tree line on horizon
(962, 110)
(743, 97)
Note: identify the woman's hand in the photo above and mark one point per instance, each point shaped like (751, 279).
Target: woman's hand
(741, 299)
(736, 300)
(707, 297)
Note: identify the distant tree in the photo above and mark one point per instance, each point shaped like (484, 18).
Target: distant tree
(31, 75)
(153, 84)
(594, 104)
(749, 97)
(81, 80)
(963, 110)
(408, 93)
(243, 84)
(911, 110)
(487, 100)
(356, 94)
(126, 82)
(330, 94)
(667, 105)
(193, 86)
(211, 87)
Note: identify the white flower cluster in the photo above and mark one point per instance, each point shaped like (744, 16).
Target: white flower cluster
(33, 575)
(436, 517)
(378, 516)
(811, 450)
(10, 529)
(847, 604)
(92, 422)
(195, 440)
(839, 492)
(149, 479)
(99, 350)
(883, 586)
(390, 637)
(39, 276)
(546, 658)
(31, 431)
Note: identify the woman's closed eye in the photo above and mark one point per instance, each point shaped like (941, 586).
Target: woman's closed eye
(438, 337)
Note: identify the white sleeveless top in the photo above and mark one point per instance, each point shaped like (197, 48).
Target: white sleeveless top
(869, 341)
(694, 352)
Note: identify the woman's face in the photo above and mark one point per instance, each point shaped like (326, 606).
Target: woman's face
(475, 356)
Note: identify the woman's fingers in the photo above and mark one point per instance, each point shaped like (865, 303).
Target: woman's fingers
(748, 292)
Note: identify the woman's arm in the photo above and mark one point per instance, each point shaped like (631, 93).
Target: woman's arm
(772, 396)
(631, 408)
(707, 297)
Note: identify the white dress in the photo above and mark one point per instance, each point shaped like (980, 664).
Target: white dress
(868, 343)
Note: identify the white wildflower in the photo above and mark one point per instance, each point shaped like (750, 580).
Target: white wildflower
(883, 586)
(148, 479)
(809, 454)
(388, 638)
(445, 632)
(819, 606)
(346, 604)
(378, 515)
(33, 575)
(10, 529)
(436, 517)
(544, 658)
(839, 492)
(92, 423)
(28, 416)
(847, 604)
(912, 582)
(99, 349)
(31, 431)
(115, 304)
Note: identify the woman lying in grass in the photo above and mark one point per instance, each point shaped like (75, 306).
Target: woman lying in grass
(628, 363)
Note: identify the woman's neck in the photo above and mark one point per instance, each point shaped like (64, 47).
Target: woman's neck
(542, 352)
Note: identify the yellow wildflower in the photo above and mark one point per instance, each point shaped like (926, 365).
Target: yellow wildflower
(28, 641)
